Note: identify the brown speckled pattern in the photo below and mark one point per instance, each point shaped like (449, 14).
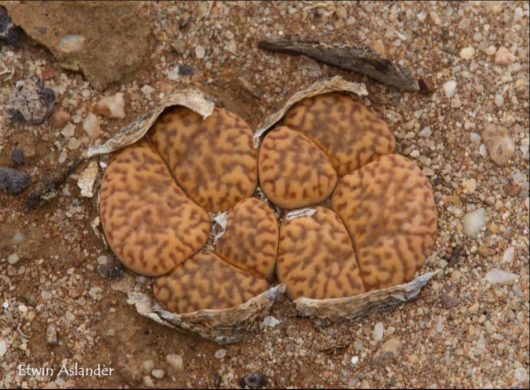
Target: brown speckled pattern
(149, 222)
(206, 282)
(350, 133)
(316, 258)
(251, 238)
(213, 160)
(293, 171)
(388, 208)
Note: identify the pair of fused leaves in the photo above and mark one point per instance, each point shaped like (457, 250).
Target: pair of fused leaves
(155, 196)
(155, 199)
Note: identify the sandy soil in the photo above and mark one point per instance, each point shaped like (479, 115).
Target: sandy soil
(462, 331)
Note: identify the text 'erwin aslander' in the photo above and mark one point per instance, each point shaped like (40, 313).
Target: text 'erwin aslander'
(65, 370)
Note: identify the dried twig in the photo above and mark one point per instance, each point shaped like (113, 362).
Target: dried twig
(49, 184)
(357, 59)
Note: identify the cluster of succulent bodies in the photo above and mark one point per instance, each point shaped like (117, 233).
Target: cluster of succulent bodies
(370, 220)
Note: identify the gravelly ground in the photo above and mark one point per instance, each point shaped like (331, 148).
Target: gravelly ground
(462, 331)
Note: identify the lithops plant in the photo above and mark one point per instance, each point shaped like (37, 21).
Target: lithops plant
(154, 202)
(350, 216)
(381, 222)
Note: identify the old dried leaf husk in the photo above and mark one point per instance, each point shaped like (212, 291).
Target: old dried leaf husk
(357, 306)
(223, 326)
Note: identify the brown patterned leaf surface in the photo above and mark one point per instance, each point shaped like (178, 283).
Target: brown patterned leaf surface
(316, 258)
(206, 282)
(251, 238)
(149, 222)
(350, 133)
(293, 171)
(388, 208)
(212, 160)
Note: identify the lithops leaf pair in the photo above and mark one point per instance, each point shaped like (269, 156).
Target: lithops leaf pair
(155, 198)
(368, 220)
(381, 222)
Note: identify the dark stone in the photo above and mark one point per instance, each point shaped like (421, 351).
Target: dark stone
(185, 70)
(17, 156)
(253, 381)
(13, 181)
(10, 34)
(112, 270)
(426, 86)
(31, 102)
(455, 256)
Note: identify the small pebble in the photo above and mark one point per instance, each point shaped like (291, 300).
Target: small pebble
(490, 50)
(18, 238)
(69, 130)
(173, 74)
(475, 138)
(508, 254)
(17, 156)
(158, 374)
(71, 43)
(73, 144)
(271, 321)
(87, 178)
(426, 132)
(354, 360)
(95, 293)
(102, 260)
(450, 88)
(148, 366)
(499, 143)
(467, 53)
(496, 276)
(379, 47)
(59, 119)
(379, 331)
(176, 362)
(112, 106)
(474, 221)
(12, 259)
(51, 335)
(46, 295)
(520, 374)
(499, 100)
(389, 351)
(421, 16)
(91, 126)
(199, 52)
(147, 90)
(504, 56)
(220, 353)
(253, 381)
(518, 14)
(148, 381)
(469, 186)
(13, 180)
(3, 348)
